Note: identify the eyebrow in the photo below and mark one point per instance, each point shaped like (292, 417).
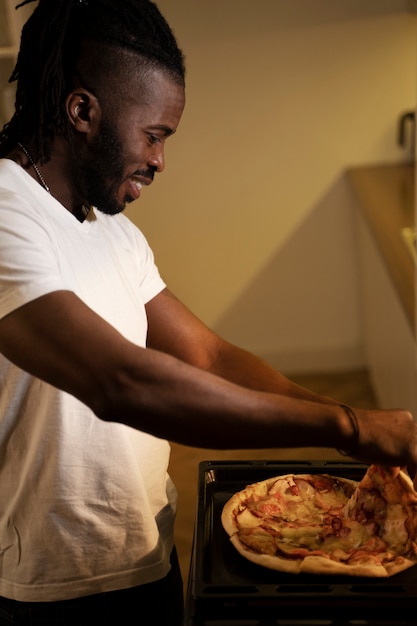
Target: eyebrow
(165, 129)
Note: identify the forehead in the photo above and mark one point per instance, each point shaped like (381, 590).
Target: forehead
(157, 86)
(155, 98)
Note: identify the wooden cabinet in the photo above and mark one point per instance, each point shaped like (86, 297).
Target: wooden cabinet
(387, 281)
(389, 338)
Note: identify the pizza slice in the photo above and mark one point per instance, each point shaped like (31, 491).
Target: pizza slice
(385, 504)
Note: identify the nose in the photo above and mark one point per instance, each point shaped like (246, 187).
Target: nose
(157, 160)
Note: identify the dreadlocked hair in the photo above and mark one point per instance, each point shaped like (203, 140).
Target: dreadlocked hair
(51, 48)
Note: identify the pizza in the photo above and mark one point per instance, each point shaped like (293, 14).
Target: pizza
(322, 524)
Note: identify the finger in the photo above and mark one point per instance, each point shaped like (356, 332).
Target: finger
(391, 471)
(412, 469)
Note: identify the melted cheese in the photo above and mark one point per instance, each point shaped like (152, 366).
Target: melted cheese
(394, 532)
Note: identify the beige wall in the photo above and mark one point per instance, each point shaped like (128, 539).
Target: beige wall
(251, 221)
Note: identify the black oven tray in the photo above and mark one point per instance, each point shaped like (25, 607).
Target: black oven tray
(224, 588)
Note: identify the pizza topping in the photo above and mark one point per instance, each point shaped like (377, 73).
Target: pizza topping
(259, 540)
(248, 519)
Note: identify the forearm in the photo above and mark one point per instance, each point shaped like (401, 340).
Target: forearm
(173, 400)
(192, 342)
(193, 407)
(248, 370)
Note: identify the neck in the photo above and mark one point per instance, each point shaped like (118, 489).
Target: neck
(81, 212)
(35, 167)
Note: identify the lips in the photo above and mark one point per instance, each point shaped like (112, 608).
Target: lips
(135, 186)
(138, 180)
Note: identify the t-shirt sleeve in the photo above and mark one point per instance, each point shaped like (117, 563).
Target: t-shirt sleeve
(28, 267)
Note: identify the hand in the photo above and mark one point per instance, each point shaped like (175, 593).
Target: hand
(387, 437)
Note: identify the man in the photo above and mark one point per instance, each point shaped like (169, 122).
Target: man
(100, 364)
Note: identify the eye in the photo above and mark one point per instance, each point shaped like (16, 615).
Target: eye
(153, 139)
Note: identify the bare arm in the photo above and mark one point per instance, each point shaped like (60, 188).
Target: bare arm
(381, 431)
(165, 391)
(174, 328)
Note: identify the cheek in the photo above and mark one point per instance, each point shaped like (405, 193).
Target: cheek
(136, 150)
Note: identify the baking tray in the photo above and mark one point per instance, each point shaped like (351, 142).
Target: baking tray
(224, 588)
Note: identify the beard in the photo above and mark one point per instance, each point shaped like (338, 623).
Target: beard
(97, 171)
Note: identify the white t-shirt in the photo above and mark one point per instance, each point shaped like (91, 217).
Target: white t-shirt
(86, 506)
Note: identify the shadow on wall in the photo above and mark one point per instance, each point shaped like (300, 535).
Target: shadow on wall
(284, 320)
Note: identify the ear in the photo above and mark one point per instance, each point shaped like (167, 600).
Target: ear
(83, 110)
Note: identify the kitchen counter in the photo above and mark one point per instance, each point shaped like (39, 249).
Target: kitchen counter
(386, 194)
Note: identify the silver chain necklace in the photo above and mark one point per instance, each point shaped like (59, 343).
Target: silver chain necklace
(35, 167)
(84, 209)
